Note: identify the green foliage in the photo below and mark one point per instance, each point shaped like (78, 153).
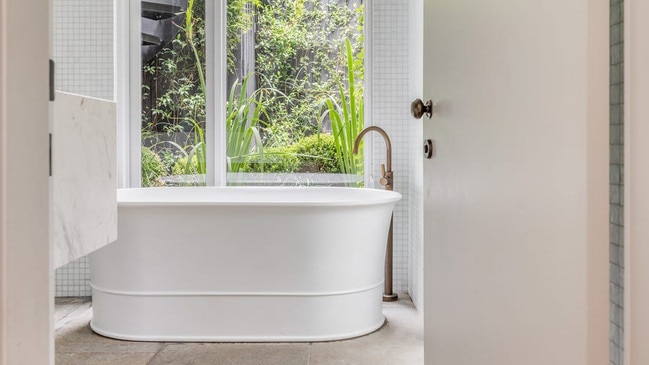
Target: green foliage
(173, 93)
(152, 168)
(193, 41)
(298, 42)
(316, 153)
(299, 73)
(183, 167)
(273, 159)
(240, 19)
(173, 82)
(196, 153)
(346, 113)
(242, 117)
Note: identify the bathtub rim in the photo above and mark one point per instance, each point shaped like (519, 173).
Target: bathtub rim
(366, 196)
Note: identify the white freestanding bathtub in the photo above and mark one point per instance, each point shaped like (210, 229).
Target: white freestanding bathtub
(243, 264)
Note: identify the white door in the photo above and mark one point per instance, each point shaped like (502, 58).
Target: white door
(516, 195)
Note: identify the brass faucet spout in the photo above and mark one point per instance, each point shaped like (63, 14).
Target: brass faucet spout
(388, 145)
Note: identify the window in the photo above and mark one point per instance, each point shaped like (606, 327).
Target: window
(276, 98)
(174, 88)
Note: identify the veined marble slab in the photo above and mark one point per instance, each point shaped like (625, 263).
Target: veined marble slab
(84, 182)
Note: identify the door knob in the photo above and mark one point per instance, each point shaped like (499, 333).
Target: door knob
(418, 108)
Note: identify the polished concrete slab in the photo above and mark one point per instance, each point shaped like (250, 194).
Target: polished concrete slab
(399, 341)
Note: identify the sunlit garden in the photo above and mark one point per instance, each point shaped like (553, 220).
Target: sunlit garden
(294, 95)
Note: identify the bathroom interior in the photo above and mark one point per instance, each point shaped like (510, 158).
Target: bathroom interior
(94, 48)
(390, 88)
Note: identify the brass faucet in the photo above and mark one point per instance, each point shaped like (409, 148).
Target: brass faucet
(386, 181)
(386, 176)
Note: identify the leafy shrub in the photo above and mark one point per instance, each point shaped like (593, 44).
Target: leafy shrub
(274, 159)
(317, 153)
(152, 168)
(183, 167)
(173, 91)
(299, 71)
(297, 58)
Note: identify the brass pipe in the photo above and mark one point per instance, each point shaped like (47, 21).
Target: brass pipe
(387, 182)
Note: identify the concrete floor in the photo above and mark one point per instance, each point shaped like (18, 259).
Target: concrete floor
(399, 341)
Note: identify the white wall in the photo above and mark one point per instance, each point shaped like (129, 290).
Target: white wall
(25, 276)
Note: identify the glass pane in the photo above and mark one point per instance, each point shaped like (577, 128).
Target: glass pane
(295, 91)
(173, 92)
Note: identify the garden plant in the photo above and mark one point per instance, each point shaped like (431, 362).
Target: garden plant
(297, 109)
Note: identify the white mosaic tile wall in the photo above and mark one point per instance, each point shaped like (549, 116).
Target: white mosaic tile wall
(73, 279)
(83, 47)
(395, 83)
(83, 52)
(416, 169)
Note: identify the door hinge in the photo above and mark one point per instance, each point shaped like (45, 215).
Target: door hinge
(50, 154)
(51, 80)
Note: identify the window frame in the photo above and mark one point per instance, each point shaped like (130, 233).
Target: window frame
(128, 87)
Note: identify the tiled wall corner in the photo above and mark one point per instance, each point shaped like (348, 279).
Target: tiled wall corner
(83, 52)
(617, 184)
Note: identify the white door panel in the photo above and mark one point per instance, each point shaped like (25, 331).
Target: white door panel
(516, 184)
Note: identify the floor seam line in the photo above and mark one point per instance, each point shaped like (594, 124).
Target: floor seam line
(162, 347)
(308, 358)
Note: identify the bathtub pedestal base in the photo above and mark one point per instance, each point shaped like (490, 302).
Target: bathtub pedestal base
(194, 317)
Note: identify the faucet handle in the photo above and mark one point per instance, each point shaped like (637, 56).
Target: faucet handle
(386, 179)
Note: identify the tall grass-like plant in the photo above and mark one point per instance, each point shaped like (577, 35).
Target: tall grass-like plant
(194, 154)
(346, 113)
(243, 113)
(189, 35)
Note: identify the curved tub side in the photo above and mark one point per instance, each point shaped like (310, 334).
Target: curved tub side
(209, 273)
